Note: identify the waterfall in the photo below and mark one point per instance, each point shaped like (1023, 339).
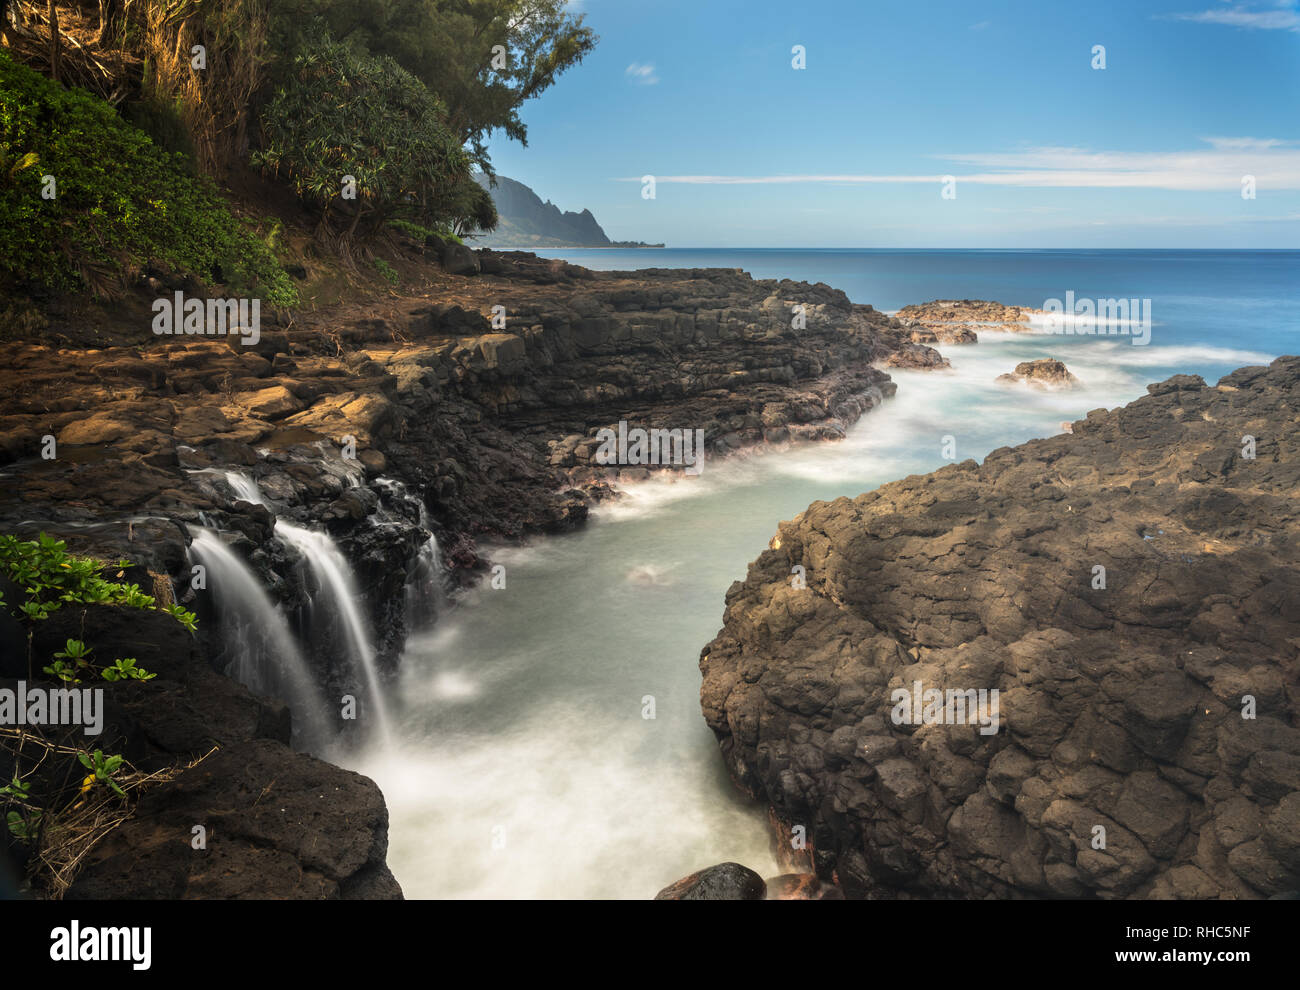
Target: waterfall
(257, 647)
(245, 487)
(424, 591)
(337, 596)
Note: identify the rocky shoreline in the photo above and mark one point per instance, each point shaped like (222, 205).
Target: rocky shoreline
(407, 432)
(1129, 591)
(413, 427)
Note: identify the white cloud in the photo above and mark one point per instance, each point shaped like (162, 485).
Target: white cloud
(1243, 143)
(1275, 165)
(1282, 18)
(643, 74)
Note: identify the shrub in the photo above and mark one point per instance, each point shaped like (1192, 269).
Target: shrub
(338, 113)
(50, 577)
(122, 204)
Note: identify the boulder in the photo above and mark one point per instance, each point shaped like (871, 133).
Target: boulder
(724, 882)
(1043, 373)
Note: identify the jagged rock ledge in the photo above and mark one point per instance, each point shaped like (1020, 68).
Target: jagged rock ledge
(276, 824)
(1147, 745)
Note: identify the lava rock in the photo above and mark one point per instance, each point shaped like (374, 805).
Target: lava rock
(724, 882)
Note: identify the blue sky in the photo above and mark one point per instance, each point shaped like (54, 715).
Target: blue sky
(850, 151)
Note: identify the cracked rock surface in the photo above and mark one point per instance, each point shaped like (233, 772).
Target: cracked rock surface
(1147, 744)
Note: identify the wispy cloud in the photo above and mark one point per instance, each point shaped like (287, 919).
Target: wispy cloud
(643, 74)
(1280, 17)
(1243, 143)
(980, 26)
(1275, 165)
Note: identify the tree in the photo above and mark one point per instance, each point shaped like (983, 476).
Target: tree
(483, 58)
(486, 58)
(362, 140)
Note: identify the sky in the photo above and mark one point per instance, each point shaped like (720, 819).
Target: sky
(852, 150)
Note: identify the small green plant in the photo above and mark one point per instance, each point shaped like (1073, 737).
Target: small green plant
(412, 230)
(19, 789)
(22, 827)
(186, 618)
(65, 672)
(69, 662)
(102, 769)
(126, 670)
(75, 650)
(386, 270)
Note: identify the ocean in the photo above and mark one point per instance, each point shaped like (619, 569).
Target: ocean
(523, 763)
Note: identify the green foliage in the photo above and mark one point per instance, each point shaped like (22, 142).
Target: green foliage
(454, 57)
(415, 231)
(69, 662)
(448, 45)
(473, 209)
(121, 203)
(19, 789)
(164, 122)
(24, 829)
(339, 114)
(22, 826)
(126, 670)
(103, 767)
(51, 577)
(186, 618)
(387, 270)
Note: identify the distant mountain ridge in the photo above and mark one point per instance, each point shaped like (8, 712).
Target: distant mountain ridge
(527, 221)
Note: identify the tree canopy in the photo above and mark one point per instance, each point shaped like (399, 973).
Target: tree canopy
(482, 58)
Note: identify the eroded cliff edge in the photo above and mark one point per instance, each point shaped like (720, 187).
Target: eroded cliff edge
(1121, 707)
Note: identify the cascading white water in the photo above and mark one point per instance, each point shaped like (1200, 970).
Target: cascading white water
(245, 487)
(338, 593)
(257, 647)
(334, 578)
(425, 597)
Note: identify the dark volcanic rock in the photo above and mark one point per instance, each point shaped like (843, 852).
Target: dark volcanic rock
(1146, 745)
(913, 355)
(278, 824)
(457, 259)
(724, 882)
(801, 887)
(472, 412)
(963, 310)
(1043, 373)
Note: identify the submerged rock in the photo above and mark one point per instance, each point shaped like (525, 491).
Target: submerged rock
(1110, 619)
